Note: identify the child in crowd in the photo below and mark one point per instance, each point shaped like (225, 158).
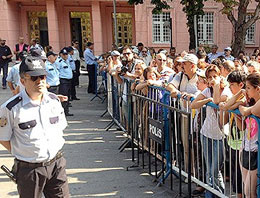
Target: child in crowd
(236, 81)
(249, 143)
(211, 133)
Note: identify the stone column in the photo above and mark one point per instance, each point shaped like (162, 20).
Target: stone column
(97, 28)
(53, 25)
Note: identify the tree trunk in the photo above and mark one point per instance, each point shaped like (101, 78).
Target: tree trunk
(238, 42)
(191, 30)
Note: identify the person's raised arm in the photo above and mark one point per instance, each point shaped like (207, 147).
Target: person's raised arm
(199, 101)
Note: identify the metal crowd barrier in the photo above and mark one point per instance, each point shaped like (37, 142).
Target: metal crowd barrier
(166, 131)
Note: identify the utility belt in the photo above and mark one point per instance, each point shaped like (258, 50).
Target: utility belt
(40, 164)
(12, 174)
(65, 80)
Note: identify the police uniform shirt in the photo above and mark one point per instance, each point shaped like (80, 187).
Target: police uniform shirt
(52, 77)
(13, 76)
(71, 62)
(34, 130)
(75, 55)
(64, 68)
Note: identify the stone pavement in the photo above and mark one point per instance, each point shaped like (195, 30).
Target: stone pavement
(95, 167)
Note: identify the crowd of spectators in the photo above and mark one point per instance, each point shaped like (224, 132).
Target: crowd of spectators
(218, 77)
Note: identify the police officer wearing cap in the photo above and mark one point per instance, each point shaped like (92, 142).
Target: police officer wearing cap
(65, 74)
(52, 78)
(32, 125)
(75, 75)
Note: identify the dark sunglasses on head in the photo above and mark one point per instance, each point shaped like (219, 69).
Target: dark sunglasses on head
(34, 78)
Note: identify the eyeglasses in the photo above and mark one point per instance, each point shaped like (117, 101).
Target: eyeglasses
(34, 78)
(128, 53)
(144, 51)
(161, 60)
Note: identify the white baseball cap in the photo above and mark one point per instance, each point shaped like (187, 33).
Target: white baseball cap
(189, 57)
(115, 53)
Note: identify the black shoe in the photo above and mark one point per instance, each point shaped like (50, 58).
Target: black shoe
(75, 98)
(4, 87)
(69, 105)
(69, 114)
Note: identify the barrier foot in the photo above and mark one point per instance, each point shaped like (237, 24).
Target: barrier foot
(104, 99)
(126, 144)
(104, 114)
(96, 96)
(132, 166)
(167, 175)
(110, 125)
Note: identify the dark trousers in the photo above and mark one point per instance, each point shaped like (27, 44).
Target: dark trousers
(91, 76)
(64, 89)
(33, 181)
(73, 86)
(4, 67)
(53, 89)
(76, 81)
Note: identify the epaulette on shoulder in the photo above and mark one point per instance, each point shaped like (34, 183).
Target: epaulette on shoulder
(71, 60)
(53, 96)
(14, 102)
(60, 60)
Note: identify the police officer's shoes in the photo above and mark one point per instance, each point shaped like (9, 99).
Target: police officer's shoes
(69, 114)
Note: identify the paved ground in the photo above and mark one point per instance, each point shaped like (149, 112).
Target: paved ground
(95, 167)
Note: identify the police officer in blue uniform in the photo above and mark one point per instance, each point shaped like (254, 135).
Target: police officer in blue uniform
(52, 78)
(65, 74)
(75, 75)
(32, 125)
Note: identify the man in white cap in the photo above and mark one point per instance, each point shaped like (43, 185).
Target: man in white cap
(227, 54)
(185, 84)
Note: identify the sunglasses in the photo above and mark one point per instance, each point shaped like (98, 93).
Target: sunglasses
(127, 53)
(144, 51)
(161, 60)
(34, 78)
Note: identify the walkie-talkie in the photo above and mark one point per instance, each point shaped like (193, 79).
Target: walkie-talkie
(8, 173)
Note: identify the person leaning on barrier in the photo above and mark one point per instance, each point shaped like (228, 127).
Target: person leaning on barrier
(166, 73)
(113, 62)
(236, 81)
(32, 125)
(249, 153)
(211, 131)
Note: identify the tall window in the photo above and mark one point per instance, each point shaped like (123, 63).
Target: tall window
(205, 28)
(250, 33)
(161, 33)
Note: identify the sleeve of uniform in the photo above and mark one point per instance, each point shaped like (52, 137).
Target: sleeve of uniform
(72, 64)
(6, 123)
(10, 75)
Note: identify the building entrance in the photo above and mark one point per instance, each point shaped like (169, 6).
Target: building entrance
(124, 28)
(38, 27)
(81, 28)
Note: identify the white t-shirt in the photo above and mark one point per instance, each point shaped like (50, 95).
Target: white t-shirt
(211, 126)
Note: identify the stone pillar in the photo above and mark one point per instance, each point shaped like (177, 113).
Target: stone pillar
(97, 28)
(53, 25)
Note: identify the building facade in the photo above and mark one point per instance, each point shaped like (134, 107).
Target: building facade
(58, 22)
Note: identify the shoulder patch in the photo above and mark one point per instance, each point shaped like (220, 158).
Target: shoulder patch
(53, 96)
(14, 102)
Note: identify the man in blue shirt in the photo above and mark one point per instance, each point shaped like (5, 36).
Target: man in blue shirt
(65, 74)
(227, 54)
(91, 62)
(52, 77)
